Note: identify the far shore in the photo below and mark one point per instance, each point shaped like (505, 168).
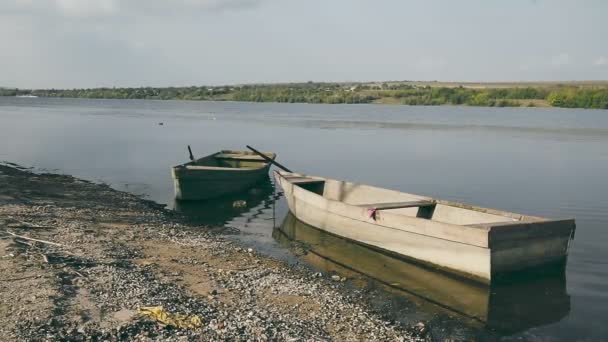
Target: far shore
(581, 94)
(531, 104)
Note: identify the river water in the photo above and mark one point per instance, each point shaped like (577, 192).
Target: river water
(537, 161)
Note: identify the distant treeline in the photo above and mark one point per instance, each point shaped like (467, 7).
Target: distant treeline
(408, 94)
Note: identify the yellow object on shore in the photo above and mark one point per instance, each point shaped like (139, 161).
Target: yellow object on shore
(177, 320)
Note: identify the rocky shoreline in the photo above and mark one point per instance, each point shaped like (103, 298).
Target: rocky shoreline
(78, 260)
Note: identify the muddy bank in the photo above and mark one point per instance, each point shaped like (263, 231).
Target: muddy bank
(104, 254)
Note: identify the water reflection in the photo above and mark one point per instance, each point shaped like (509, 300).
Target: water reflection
(510, 306)
(220, 211)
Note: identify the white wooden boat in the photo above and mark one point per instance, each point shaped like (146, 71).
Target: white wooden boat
(475, 242)
(219, 174)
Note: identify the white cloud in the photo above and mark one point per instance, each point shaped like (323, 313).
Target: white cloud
(84, 8)
(81, 43)
(92, 8)
(560, 60)
(214, 4)
(601, 61)
(529, 63)
(429, 64)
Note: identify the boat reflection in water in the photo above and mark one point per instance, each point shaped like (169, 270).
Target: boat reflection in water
(507, 306)
(222, 210)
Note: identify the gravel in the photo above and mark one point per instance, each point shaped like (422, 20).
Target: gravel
(120, 253)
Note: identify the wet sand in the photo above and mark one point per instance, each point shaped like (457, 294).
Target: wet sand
(103, 254)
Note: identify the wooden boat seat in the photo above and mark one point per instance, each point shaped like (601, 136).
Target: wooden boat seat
(204, 167)
(239, 157)
(397, 205)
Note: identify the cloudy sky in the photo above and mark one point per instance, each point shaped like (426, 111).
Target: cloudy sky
(90, 43)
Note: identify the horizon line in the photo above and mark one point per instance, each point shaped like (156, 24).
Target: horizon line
(447, 82)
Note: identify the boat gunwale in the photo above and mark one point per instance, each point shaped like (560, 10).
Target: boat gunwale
(191, 165)
(521, 218)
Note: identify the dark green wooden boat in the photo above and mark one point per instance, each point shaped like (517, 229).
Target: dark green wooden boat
(219, 174)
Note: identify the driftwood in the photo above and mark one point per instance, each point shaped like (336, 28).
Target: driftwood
(37, 240)
(24, 224)
(21, 278)
(23, 242)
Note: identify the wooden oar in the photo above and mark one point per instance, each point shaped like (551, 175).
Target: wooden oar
(190, 151)
(270, 160)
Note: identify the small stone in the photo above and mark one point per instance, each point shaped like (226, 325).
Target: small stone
(420, 327)
(249, 250)
(335, 277)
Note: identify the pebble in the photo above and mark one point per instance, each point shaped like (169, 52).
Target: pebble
(113, 281)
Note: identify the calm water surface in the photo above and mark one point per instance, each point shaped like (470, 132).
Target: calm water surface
(544, 162)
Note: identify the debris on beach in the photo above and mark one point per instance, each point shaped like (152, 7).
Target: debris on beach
(159, 314)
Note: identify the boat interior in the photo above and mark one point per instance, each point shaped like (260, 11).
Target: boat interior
(406, 204)
(231, 159)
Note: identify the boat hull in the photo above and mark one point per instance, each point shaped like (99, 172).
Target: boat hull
(201, 185)
(479, 253)
(537, 298)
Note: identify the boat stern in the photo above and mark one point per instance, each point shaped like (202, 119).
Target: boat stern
(530, 245)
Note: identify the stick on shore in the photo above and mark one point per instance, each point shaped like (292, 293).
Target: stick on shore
(37, 240)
